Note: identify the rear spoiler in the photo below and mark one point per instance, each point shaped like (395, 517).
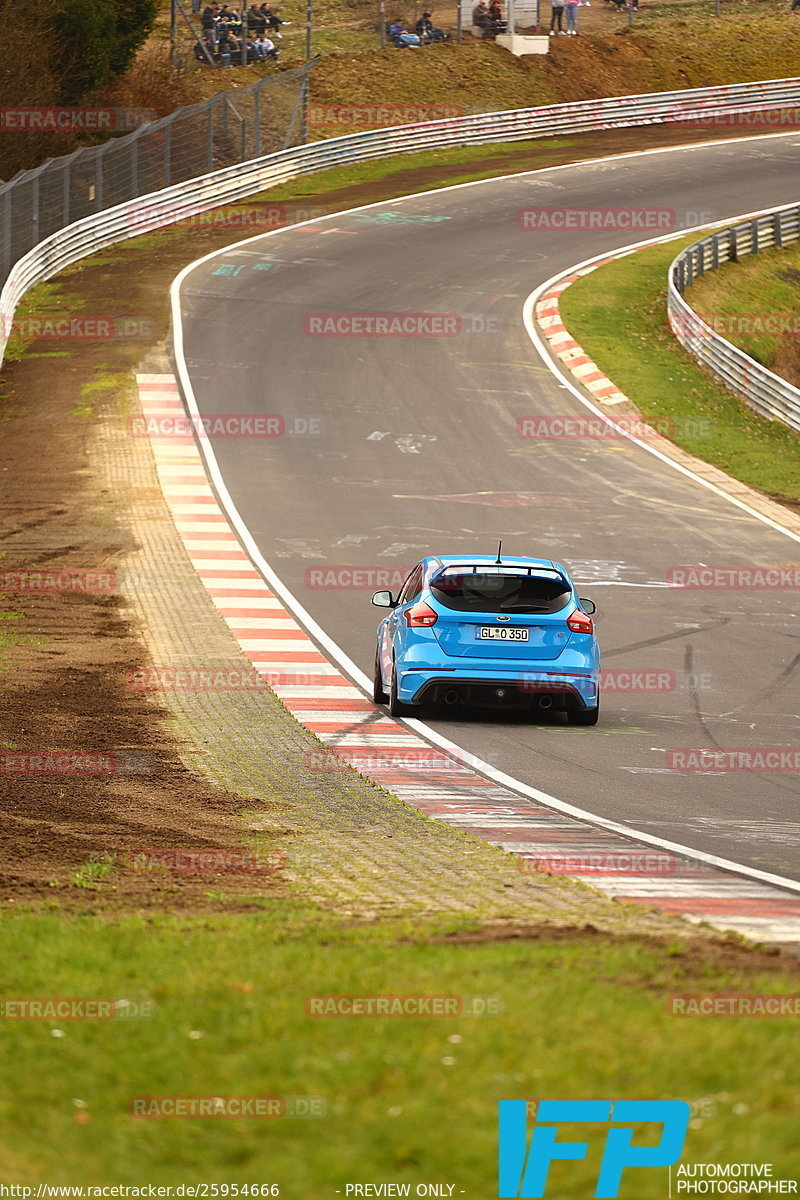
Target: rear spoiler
(466, 568)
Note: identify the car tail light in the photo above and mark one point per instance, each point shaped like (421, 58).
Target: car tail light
(420, 614)
(580, 623)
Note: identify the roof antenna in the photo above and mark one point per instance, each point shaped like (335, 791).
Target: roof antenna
(497, 562)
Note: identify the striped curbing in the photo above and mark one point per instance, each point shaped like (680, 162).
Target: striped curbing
(440, 784)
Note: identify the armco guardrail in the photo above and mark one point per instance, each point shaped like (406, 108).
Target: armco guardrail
(764, 391)
(233, 126)
(171, 204)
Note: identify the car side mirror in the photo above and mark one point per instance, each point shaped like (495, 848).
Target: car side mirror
(589, 606)
(384, 600)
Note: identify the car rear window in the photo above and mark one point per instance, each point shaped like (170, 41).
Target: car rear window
(493, 592)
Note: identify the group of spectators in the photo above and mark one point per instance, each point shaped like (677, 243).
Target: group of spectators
(489, 18)
(557, 10)
(424, 33)
(559, 7)
(228, 34)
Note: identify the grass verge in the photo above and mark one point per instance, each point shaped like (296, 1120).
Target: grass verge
(407, 1099)
(754, 304)
(618, 314)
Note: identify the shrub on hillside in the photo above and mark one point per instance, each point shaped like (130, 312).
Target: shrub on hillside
(93, 41)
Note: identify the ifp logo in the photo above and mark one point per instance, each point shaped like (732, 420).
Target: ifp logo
(524, 1169)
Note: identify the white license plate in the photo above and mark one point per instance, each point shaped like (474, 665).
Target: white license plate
(502, 633)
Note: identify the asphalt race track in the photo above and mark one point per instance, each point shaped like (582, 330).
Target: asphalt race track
(417, 452)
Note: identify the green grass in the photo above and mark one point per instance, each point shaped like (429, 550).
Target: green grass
(94, 871)
(106, 385)
(10, 636)
(618, 314)
(756, 288)
(385, 169)
(407, 1099)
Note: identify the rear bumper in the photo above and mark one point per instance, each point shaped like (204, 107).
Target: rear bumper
(566, 689)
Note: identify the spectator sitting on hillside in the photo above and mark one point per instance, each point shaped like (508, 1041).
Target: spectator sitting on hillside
(480, 15)
(265, 48)
(400, 35)
(224, 47)
(204, 50)
(496, 17)
(427, 33)
(273, 21)
(256, 21)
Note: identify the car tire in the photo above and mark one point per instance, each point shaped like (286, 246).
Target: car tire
(396, 707)
(378, 694)
(584, 716)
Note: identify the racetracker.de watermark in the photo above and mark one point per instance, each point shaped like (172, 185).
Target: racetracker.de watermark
(346, 578)
(80, 580)
(620, 680)
(627, 219)
(244, 679)
(749, 578)
(225, 425)
(397, 1005)
(644, 863)
(76, 762)
(377, 116)
(201, 861)
(383, 324)
(776, 118)
(421, 759)
(78, 329)
(733, 325)
(231, 216)
(733, 1004)
(75, 1008)
(744, 759)
(264, 1107)
(544, 428)
(103, 120)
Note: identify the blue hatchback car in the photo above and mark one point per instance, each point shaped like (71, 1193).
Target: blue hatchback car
(478, 630)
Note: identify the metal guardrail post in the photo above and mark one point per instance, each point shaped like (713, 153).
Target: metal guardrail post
(166, 158)
(777, 229)
(734, 246)
(302, 104)
(6, 231)
(210, 137)
(98, 183)
(66, 194)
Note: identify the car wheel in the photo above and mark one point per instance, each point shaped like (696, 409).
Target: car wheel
(378, 694)
(396, 707)
(583, 716)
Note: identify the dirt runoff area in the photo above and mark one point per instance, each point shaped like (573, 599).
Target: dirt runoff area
(90, 769)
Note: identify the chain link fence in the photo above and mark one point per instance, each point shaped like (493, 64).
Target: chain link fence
(231, 127)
